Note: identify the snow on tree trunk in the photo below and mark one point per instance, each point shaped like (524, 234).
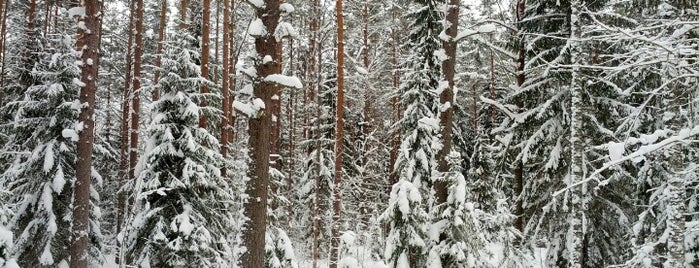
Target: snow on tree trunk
(88, 41)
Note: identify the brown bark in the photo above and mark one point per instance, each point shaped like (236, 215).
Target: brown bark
(183, 14)
(155, 95)
(231, 72)
(446, 98)
(124, 132)
(88, 41)
(136, 87)
(339, 138)
(225, 101)
(3, 31)
(27, 64)
(259, 127)
(205, 51)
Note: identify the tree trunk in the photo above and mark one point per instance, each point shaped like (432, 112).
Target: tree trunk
(519, 166)
(124, 133)
(3, 31)
(395, 106)
(446, 97)
(576, 214)
(155, 95)
(136, 86)
(205, 49)
(88, 41)
(226, 100)
(339, 139)
(259, 128)
(313, 76)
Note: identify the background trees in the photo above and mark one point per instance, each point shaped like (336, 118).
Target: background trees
(476, 136)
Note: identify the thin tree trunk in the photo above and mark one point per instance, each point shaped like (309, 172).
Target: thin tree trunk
(88, 41)
(226, 100)
(155, 95)
(124, 133)
(136, 87)
(576, 213)
(446, 97)
(519, 166)
(205, 51)
(259, 127)
(233, 57)
(395, 106)
(3, 34)
(339, 139)
(313, 92)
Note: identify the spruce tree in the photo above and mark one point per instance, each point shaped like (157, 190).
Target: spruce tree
(181, 196)
(42, 175)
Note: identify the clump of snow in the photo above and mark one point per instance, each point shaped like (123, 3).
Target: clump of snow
(76, 11)
(616, 150)
(257, 3)
(70, 134)
(267, 59)
(286, 8)
(257, 28)
(285, 81)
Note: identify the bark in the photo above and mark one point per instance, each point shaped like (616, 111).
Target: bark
(3, 31)
(225, 101)
(27, 57)
(205, 51)
(136, 86)
(339, 139)
(313, 87)
(576, 214)
(446, 98)
(124, 133)
(155, 95)
(259, 127)
(88, 40)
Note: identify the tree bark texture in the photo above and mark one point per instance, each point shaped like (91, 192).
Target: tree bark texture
(88, 40)
(205, 52)
(259, 128)
(155, 95)
(446, 97)
(339, 139)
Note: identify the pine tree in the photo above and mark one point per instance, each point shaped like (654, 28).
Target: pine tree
(181, 196)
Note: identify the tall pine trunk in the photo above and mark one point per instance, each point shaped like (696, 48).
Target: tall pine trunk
(205, 51)
(155, 94)
(259, 128)
(339, 138)
(576, 213)
(226, 100)
(136, 89)
(519, 166)
(3, 31)
(446, 97)
(88, 41)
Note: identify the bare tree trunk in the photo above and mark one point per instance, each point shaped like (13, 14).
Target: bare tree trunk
(226, 100)
(155, 95)
(88, 41)
(446, 97)
(313, 75)
(3, 32)
(124, 133)
(205, 51)
(136, 86)
(339, 139)
(259, 128)
(577, 211)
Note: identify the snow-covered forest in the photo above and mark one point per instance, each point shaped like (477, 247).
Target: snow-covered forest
(349, 133)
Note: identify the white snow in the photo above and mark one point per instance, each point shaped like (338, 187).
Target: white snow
(76, 11)
(267, 59)
(257, 28)
(286, 8)
(285, 81)
(70, 134)
(616, 150)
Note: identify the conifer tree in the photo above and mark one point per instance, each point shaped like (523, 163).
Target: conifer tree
(181, 196)
(42, 176)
